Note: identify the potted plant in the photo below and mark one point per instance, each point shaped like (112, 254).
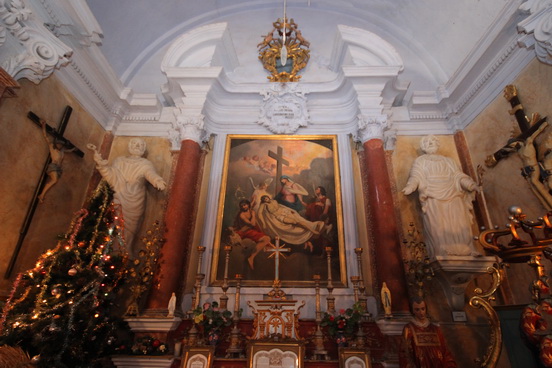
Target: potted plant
(212, 319)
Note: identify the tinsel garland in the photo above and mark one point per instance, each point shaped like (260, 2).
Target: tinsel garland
(104, 189)
(50, 265)
(65, 345)
(76, 225)
(9, 305)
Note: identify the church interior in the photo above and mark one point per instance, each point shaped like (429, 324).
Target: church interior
(276, 183)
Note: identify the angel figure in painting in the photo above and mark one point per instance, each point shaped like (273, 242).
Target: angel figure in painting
(259, 190)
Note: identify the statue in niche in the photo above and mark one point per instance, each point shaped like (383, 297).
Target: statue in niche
(127, 176)
(446, 195)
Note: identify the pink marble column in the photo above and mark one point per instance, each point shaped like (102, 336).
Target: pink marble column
(388, 256)
(179, 221)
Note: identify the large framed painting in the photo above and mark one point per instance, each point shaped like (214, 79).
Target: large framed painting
(280, 191)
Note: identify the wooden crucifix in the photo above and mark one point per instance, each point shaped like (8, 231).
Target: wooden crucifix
(527, 127)
(280, 160)
(57, 134)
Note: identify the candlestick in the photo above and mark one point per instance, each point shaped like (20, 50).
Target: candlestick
(355, 281)
(234, 350)
(361, 287)
(318, 339)
(225, 285)
(330, 299)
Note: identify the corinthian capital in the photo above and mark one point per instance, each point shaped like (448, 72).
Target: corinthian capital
(29, 49)
(371, 127)
(186, 127)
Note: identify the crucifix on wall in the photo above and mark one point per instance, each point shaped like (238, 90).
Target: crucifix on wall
(537, 166)
(50, 173)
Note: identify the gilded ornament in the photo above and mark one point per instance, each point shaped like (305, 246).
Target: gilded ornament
(284, 51)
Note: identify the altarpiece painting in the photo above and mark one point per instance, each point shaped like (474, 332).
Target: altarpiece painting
(280, 191)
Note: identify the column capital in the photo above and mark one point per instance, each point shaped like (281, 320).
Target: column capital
(186, 127)
(371, 127)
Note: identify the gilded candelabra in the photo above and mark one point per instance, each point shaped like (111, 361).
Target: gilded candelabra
(196, 297)
(522, 241)
(362, 297)
(225, 285)
(199, 278)
(330, 299)
(318, 338)
(417, 265)
(143, 267)
(235, 349)
(482, 300)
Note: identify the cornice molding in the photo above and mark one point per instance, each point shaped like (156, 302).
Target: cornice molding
(537, 28)
(29, 49)
(333, 106)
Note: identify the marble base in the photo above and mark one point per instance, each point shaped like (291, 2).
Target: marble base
(456, 272)
(392, 327)
(139, 361)
(148, 324)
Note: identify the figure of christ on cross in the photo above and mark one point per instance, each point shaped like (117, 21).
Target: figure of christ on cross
(277, 251)
(46, 175)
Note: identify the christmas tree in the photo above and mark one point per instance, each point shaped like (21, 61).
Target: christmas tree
(62, 311)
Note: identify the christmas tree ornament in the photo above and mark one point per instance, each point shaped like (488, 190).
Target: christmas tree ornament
(72, 272)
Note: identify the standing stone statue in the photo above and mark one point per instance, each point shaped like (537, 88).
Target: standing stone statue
(127, 176)
(446, 195)
(386, 300)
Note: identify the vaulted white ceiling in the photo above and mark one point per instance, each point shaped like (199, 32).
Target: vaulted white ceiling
(426, 65)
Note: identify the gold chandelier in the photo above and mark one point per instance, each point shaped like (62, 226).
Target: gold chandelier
(284, 51)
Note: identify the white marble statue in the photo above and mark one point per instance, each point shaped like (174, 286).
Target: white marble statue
(446, 195)
(172, 306)
(127, 176)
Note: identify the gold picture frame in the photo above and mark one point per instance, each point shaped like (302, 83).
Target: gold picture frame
(197, 357)
(308, 162)
(261, 354)
(354, 358)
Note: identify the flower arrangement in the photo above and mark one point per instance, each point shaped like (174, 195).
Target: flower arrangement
(148, 345)
(211, 318)
(346, 321)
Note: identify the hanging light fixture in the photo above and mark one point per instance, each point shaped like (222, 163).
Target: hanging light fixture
(284, 51)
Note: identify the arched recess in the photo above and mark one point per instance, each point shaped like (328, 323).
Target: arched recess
(194, 61)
